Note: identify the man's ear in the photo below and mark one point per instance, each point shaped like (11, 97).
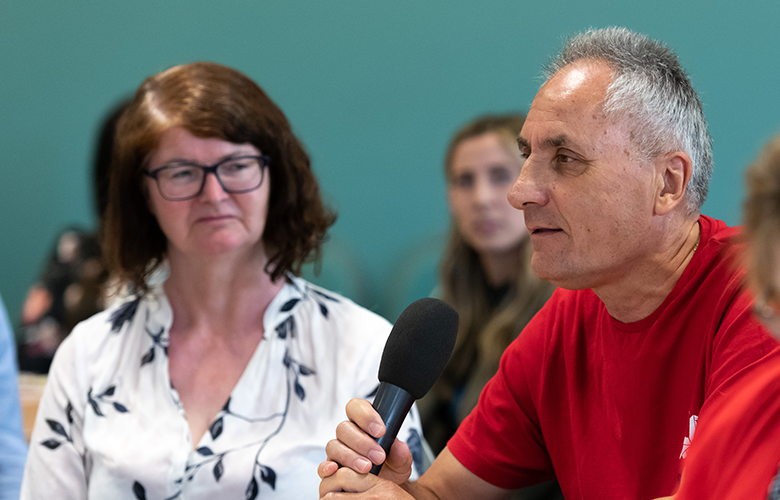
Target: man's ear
(674, 171)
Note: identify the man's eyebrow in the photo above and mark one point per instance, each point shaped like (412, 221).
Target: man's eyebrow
(523, 144)
(553, 142)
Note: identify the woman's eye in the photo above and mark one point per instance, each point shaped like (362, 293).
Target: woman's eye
(463, 181)
(501, 176)
(234, 167)
(181, 173)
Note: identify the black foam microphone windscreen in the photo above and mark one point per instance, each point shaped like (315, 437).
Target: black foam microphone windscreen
(416, 352)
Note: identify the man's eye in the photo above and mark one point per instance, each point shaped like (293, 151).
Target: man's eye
(569, 165)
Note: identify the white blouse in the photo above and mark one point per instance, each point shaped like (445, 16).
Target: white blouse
(110, 424)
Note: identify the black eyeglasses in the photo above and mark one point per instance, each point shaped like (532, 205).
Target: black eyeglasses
(183, 181)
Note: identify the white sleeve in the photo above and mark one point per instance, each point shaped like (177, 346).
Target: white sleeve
(56, 462)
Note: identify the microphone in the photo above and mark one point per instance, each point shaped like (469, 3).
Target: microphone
(416, 352)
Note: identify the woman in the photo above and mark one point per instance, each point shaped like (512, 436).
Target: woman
(485, 272)
(227, 380)
(736, 451)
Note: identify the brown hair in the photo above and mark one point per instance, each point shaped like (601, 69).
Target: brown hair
(762, 218)
(485, 330)
(506, 126)
(210, 101)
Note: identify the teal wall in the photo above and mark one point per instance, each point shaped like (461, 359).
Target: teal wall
(374, 89)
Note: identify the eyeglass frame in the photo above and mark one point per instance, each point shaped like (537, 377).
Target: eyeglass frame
(264, 161)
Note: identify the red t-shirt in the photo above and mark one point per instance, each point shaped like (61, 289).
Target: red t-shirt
(735, 454)
(606, 407)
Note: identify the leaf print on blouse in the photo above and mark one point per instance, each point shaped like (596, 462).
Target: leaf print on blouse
(104, 398)
(414, 442)
(262, 474)
(140, 492)
(123, 314)
(61, 434)
(211, 457)
(323, 308)
(159, 339)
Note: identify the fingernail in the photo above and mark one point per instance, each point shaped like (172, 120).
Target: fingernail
(363, 464)
(376, 457)
(374, 429)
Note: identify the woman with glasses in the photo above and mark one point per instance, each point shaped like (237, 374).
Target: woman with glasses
(227, 380)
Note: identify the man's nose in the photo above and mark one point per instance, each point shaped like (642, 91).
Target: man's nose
(529, 187)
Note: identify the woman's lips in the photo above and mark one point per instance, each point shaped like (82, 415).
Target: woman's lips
(487, 226)
(215, 218)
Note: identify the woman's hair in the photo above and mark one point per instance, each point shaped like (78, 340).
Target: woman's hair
(101, 161)
(762, 218)
(485, 330)
(210, 101)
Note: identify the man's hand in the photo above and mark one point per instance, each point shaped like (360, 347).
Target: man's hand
(352, 453)
(344, 483)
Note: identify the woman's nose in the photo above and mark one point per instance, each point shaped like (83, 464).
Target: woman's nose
(212, 189)
(483, 192)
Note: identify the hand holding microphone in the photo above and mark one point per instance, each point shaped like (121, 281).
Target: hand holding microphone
(416, 352)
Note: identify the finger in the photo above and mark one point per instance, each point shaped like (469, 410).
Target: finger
(356, 453)
(398, 466)
(363, 414)
(327, 469)
(355, 439)
(345, 480)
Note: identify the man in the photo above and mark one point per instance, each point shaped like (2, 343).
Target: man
(602, 390)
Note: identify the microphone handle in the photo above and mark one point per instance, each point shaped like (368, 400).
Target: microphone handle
(393, 404)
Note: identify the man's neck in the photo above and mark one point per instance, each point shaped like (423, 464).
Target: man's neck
(647, 286)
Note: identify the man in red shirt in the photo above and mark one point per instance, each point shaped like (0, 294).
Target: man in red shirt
(603, 389)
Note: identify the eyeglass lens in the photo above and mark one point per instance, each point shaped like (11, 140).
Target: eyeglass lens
(186, 181)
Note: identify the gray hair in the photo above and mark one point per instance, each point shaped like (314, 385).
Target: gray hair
(650, 88)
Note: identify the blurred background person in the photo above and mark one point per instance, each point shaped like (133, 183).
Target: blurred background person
(226, 380)
(72, 286)
(13, 449)
(736, 451)
(485, 272)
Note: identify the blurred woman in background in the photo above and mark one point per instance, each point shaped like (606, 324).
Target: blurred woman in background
(226, 380)
(485, 272)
